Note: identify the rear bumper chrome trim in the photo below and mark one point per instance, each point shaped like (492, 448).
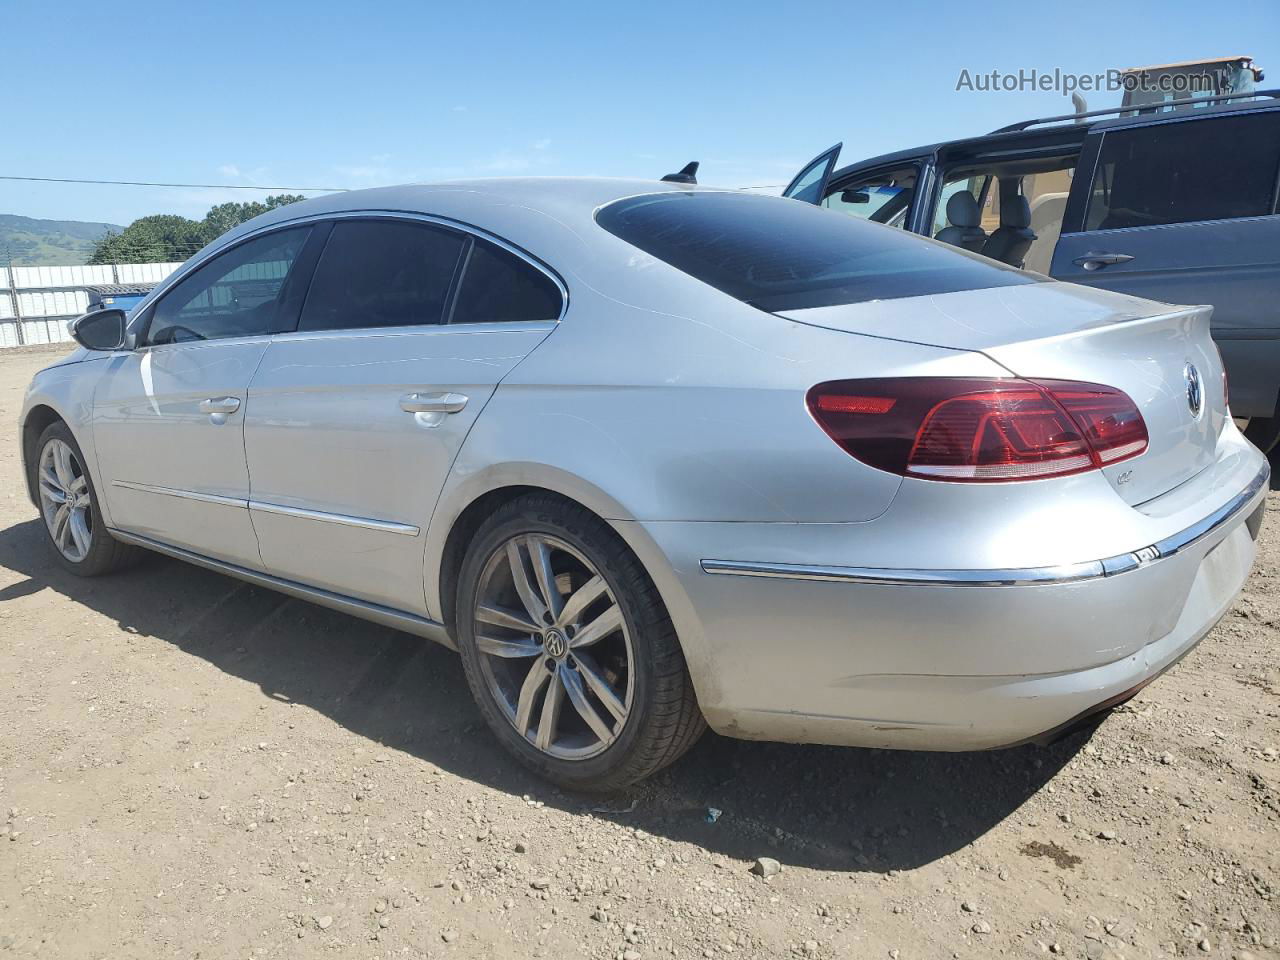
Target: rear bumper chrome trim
(1013, 577)
(1024, 576)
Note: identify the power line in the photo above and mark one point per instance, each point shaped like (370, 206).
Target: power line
(198, 186)
(243, 186)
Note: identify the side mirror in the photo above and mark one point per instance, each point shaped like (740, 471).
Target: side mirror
(855, 196)
(100, 330)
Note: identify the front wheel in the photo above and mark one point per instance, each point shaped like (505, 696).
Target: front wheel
(569, 650)
(69, 507)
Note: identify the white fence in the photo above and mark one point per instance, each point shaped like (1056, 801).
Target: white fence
(37, 302)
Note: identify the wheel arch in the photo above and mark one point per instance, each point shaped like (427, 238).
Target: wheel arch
(34, 423)
(465, 507)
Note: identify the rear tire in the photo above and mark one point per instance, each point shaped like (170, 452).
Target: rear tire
(569, 650)
(68, 503)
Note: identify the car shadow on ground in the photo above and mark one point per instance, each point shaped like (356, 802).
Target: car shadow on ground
(824, 807)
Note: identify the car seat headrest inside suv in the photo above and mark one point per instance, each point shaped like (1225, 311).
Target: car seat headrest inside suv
(962, 210)
(1016, 214)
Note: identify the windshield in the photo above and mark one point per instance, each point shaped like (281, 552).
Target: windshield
(781, 255)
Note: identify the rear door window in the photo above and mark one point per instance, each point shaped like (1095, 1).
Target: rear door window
(789, 256)
(1218, 168)
(382, 273)
(497, 286)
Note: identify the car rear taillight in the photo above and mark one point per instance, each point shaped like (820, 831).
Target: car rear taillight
(973, 430)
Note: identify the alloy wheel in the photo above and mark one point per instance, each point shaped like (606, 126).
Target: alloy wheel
(64, 500)
(554, 647)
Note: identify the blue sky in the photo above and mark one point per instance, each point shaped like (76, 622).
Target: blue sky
(362, 94)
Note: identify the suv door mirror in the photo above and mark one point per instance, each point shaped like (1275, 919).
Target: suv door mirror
(100, 330)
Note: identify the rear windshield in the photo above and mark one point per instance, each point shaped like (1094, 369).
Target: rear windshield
(787, 255)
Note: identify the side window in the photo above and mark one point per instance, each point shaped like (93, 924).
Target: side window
(381, 273)
(1204, 169)
(499, 286)
(237, 294)
(884, 198)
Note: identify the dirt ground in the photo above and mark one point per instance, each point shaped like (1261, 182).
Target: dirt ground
(192, 767)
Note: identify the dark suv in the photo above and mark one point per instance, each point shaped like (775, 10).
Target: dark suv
(1177, 203)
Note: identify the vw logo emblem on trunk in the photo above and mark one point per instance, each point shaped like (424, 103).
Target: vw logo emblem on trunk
(1195, 396)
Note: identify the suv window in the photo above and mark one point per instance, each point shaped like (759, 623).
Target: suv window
(499, 286)
(381, 273)
(783, 255)
(236, 294)
(883, 198)
(1215, 168)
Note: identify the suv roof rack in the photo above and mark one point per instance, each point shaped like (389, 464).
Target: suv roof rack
(1137, 108)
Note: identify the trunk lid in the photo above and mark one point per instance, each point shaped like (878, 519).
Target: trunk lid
(1061, 331)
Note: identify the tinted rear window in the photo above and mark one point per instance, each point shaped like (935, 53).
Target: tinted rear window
(786, 255)
(499, 286)
(381, 273)
(1216, 168)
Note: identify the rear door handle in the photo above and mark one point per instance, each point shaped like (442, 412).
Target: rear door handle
(219, 407)
(432, 402)
(1096, 261)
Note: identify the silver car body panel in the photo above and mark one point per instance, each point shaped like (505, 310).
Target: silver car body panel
(328, 437)
(677, 414)
(1108, 567)
(154, 439)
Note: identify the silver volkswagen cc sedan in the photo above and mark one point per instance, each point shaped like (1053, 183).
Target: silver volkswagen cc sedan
(654, 456)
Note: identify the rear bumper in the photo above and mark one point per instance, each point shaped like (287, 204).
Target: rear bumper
(1224, 516)
(947, 659)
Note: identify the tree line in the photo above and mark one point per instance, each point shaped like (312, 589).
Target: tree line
(168, 238)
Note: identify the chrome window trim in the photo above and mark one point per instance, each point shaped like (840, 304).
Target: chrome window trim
(199, 260)
(419, 330)
(367, 523)
(1012, 577)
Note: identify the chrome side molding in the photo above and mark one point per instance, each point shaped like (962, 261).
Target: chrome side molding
(386, 616)
(386, 526)
(1013, 577)
(383, 526)
(183, 494)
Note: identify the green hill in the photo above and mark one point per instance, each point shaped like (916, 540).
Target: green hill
(31, 242)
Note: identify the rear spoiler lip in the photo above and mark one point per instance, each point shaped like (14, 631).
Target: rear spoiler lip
(1163, 312)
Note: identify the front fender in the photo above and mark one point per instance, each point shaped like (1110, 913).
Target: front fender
(64, 391)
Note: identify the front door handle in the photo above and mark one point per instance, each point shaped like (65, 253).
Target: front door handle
(1096, 261)
(432, 402)
(219, 407)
